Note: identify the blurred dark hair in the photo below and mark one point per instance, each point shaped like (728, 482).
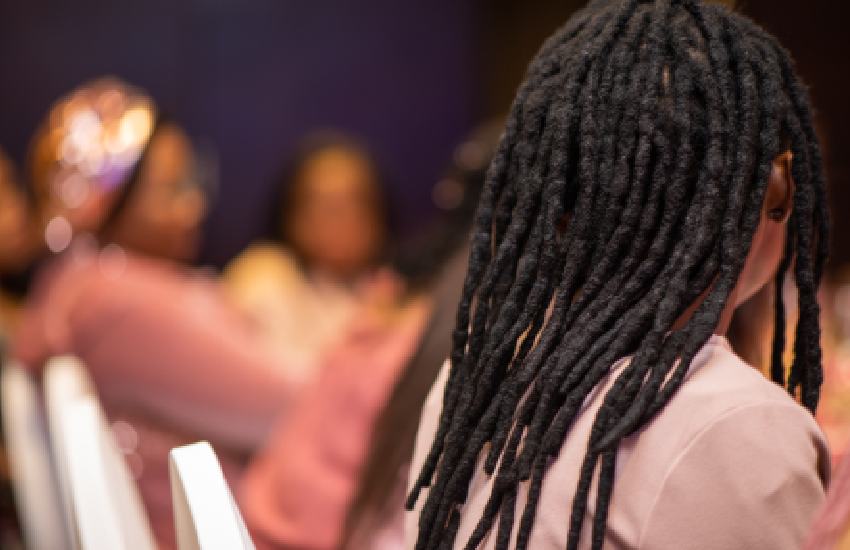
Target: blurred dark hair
(455, 197)
(435, 261)
(129, 189)
(283, 198)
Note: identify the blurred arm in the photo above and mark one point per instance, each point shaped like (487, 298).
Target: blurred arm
(164, 343)
(297, 492)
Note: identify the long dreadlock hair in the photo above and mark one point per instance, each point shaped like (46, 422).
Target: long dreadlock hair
(651, 127)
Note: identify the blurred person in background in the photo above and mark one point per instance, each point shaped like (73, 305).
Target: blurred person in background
(327, 236)
(119, 208)
(301, 486)
(171, 361)
(106, 167)
(333, 474)
(17, 245)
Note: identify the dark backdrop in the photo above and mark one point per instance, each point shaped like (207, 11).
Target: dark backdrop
(816, 34)
(248, 77)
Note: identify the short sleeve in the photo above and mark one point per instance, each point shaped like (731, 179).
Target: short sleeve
(752, 479)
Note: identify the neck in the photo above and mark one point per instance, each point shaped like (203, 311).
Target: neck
(725, 316)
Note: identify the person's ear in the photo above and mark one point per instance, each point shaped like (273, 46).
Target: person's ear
(779, 196)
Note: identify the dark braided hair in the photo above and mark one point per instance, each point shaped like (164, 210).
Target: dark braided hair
(650, 127)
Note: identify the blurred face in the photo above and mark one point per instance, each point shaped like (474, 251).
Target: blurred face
(15, 228)
(335, 221)
(163, 216)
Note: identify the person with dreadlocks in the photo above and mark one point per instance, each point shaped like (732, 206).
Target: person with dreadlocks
(659, 166)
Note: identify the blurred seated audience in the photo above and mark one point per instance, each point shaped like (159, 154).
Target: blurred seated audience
(119, 207)
(327, 235)
(193, 366)
(17, 245)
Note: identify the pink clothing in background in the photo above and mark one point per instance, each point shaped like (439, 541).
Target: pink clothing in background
(731, 462)
(169, 359)
(831, 528)
(296, 494)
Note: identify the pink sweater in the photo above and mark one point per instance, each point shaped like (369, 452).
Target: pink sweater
(297, 492)
(171, 362)
(731, 462)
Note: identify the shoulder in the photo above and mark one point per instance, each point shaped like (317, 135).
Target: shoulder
(258, 264)
(721, 388)
(263, 256)
(726, 400)
(752, 478)
(749, 467)
(718, 371)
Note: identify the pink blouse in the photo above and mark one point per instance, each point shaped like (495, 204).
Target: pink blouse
(171, 362)
(297, 492)
(732, 462)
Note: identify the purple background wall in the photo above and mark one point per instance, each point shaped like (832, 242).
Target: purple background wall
(248, 77)
(411, 76)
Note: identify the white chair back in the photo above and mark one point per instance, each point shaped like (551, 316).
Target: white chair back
(99, 493)
(205, 515)
(37, 493)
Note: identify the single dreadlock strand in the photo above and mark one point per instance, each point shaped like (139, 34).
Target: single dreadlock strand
(506, 520)
(580, 500)
(603, 501)
(527, 519)
(777, 365)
